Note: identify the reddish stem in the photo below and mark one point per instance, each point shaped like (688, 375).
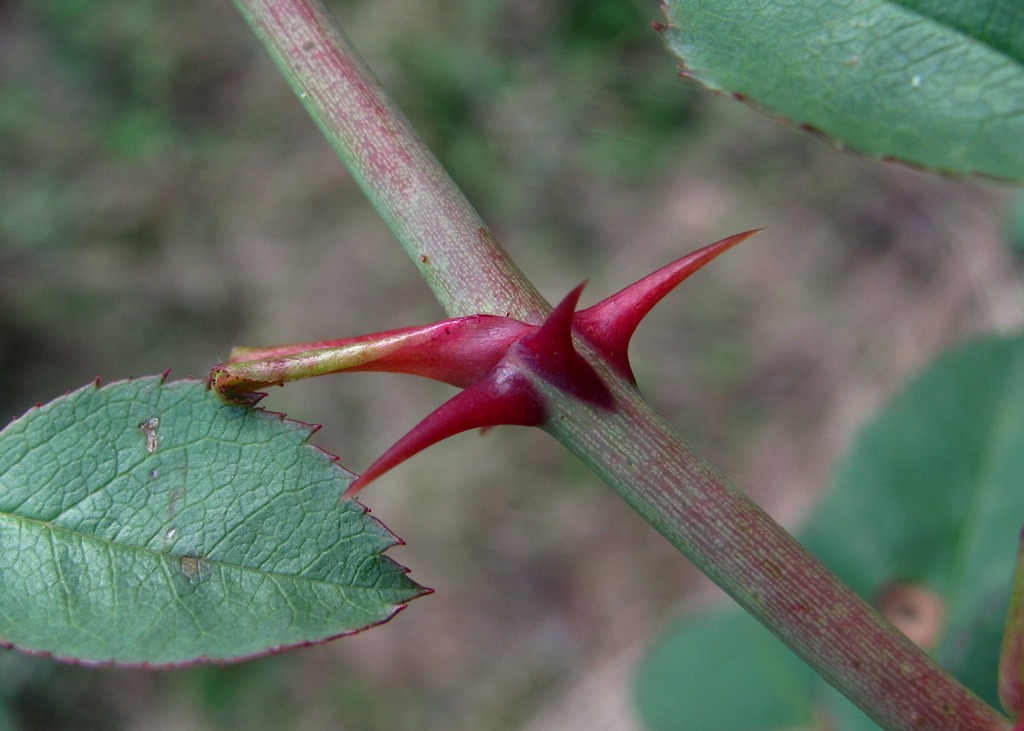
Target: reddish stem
(437, 226)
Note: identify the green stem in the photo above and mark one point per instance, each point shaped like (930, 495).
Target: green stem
(732, 540)
(437, 226)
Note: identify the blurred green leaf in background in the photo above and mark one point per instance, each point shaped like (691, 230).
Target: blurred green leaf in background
(922, 518)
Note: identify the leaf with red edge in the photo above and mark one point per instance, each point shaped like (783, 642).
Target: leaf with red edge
(149, 523)
(934, 83)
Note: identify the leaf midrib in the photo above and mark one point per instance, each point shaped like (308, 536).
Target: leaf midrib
(114, 545)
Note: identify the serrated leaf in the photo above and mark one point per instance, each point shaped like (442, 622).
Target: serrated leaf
(934, 83)
(147, 522)
(930, 496)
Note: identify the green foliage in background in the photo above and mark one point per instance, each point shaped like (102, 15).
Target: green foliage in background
(928, 497)
(694, 677)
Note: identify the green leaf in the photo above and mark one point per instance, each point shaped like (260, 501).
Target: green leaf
(934, 83)
(147, 522)
(931, 495)
(723, 671)
(929, 498)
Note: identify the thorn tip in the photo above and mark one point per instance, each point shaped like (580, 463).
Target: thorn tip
(609, 325)
(503, 397)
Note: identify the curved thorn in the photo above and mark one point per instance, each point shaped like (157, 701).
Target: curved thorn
(550, 352)
(503, 397)
(554, 336)
(609, 325)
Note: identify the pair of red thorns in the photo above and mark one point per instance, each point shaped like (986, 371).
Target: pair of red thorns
(500, 363)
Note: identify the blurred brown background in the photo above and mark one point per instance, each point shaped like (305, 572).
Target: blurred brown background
(164, 197)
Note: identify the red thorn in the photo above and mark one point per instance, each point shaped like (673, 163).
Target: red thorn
(554, 336)
(660, 27)
(503, 397)
(609, 325)
(550, 352)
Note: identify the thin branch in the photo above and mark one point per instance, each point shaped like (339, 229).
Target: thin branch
(767, 572)
(732, 540)
(437, 226)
